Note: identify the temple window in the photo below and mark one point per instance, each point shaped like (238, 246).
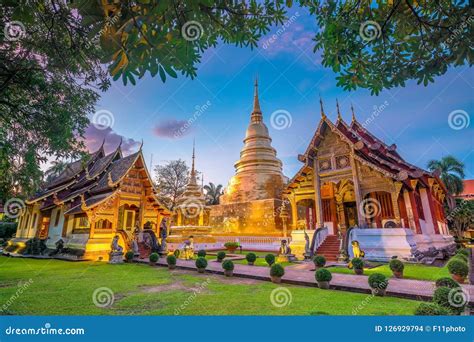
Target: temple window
(58, 215)
(129, 216)
(386, 206)
(81, 221)
(419, 205)
(103, 224)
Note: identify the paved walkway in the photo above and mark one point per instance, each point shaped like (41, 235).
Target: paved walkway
(302, 274)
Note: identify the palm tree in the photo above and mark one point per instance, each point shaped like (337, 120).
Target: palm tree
(57, 167)
(451, 172)
(213, 193)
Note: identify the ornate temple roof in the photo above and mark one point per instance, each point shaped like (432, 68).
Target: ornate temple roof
(368, 149)
(86, 184)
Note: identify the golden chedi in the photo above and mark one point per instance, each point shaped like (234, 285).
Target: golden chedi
(252, 199)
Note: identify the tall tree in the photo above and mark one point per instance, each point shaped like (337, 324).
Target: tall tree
(451, 172)
(171, 180)
(213, 193)
(382, 44)
(461, 218)
(49, 74)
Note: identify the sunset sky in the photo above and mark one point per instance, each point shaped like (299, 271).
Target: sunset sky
(291, 78)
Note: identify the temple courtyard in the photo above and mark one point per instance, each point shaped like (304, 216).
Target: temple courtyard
(56, 287)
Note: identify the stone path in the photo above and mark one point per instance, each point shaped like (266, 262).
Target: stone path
(301, 274)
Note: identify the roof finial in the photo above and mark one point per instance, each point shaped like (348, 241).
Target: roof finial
(339, 117)
(141, 145)
(256, 116)
(323, 115)
(353, 114)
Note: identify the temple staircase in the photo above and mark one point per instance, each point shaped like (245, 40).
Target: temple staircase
(329, 248)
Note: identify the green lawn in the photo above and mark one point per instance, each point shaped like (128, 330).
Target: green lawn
(420, 272)
(66, 288)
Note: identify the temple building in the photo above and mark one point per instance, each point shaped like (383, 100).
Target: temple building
(350, 179)
(90, 202)
(252, 199)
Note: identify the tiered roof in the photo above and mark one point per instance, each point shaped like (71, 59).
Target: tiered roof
(368, 149)
(87, 183)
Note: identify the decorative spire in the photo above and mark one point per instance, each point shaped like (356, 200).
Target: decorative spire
(353, 114)
(323, 115)
(339, 117)
(193, 171)
(256, 116)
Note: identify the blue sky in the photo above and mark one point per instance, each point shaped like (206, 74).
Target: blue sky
(291, 78)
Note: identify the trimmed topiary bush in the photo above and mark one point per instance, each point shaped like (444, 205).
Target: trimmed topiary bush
(461, 257)
(378, 281)
(231, 245)
(270, 259)
(277, 270)
(323, 274)
(431, 309)
(202, 253)
(154, 257)
(319, 261)
(220, 256)
(452, 299)
(228, 265)
(201, 264)
(447, 282)
(396, 265)
(251, 257)
(458, 267)
(171, 260)
(357, 263)
(129, 256)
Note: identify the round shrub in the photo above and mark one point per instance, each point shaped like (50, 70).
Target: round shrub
(277, 270)
(202, 253)
(129, 256)
(447, 282)
(378, 281)
(228, 265)
(154, 257)
(458, 267)
(251, 257)
(220, 256)
(448, 299)
(357, 263)
(396, 265)
(461, 257)
(431, 309)
(270, 259)
(171, 260)
(231, 245)
(201, 262)
(319, 261)
(323, 275)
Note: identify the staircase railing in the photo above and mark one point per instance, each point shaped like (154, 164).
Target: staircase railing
(318, 238)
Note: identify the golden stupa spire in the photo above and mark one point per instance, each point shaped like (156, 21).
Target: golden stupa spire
(256, 112)
(339, 117)
(323, 115)
(193, 171)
